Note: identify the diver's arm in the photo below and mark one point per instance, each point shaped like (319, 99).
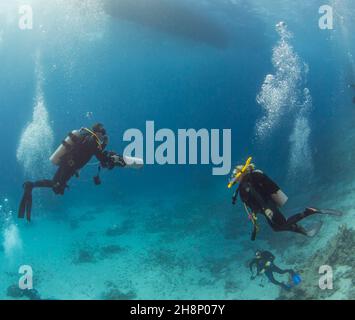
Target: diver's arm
(251, 265)
(105, 159)
(110, 159)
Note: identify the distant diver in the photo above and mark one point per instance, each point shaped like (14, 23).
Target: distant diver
(264, 264)
(71, 156)
(260, 194)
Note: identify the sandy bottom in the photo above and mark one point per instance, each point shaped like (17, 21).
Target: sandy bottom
(138, 251)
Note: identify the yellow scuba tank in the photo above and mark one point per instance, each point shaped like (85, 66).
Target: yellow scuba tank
(63, 148)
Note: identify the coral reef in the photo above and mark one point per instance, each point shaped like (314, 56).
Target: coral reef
(14, 292)
(108, 252)
(87, 254)
(165, 258)
(231, 287)
(114, 293)
(74, 224)
(338, 254)
(119, 230)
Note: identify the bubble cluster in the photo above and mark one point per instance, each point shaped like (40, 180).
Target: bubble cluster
(278, 93)
(300, 152)
(36, 143)
(283, 95)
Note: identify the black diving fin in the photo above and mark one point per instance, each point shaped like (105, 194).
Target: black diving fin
(26, 202)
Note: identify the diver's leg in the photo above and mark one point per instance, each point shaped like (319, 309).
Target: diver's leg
(26, 201)
(58, 184)
(280, 271)
(300, 216)
(270, 276)
(275, 219)
(280, 225)
(61, 177)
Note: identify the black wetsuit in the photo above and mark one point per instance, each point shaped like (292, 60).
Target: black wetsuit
(265, 264)
(255, 190)
(85, 147)
(79, 154)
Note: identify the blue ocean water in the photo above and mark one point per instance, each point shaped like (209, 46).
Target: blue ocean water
(170, 232)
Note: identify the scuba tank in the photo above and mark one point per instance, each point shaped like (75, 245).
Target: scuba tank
(280, 198)
(64, 148)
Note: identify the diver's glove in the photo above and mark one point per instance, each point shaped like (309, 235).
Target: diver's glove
(112, 160)
(118, 161)
(108, 162)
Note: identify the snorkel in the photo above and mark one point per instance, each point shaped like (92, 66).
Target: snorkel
(238, 174)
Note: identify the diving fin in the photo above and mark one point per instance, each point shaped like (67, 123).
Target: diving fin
(331, 212)
(22, 208)
(26, 202)
(314, 231)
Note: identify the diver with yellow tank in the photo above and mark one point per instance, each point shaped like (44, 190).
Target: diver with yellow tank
(261, 195)
(72, 155)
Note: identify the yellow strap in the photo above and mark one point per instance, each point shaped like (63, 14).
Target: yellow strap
(254, 218)
(96, 137)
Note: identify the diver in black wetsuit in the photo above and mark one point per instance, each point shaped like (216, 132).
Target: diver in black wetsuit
(261, 195)
(264, 263)
(84, 145)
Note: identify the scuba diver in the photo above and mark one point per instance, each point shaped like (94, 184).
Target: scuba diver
(264, 263)
(71, 156)
(262, 195)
